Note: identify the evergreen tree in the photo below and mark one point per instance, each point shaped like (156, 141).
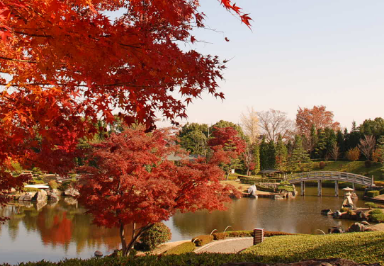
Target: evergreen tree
(321, 146)
(330, 140)
(299, 160)
(340, 142)
(256, 157)
(314, 140)
(271, 155)
(264, 154)
(281, 154)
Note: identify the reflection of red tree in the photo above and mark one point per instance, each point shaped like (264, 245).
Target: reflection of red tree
(59, 233)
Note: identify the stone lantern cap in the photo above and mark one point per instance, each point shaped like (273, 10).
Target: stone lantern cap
(348, 189)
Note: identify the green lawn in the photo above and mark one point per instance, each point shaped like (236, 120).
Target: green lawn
(364, 247)
(357, 167)
(360, 247)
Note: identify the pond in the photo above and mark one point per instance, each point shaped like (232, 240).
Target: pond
(62, 230)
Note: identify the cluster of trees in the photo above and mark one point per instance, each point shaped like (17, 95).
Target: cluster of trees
(272, 141)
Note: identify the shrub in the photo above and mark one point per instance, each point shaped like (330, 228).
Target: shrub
(53, 184)
(379, 183)
(321, 165)
(219, 236)
(353, 154)
(36, 181)
(158, 234)
(376, 216)
(382, 191)
(372, 193)
(368, 163)
(30, 189)
(36, 171)
(371, 205)
(202, 240)
(181, 249)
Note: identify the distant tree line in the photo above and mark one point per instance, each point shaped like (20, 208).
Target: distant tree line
(272, 141)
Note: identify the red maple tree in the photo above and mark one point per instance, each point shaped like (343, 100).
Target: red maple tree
(318, 116)
(65, 63)
(129, 180)
(227, 145)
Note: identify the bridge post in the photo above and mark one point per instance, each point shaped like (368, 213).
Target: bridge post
(373, 181)
(336, 188)
(319, 188)
(353, 186)
(302, 188)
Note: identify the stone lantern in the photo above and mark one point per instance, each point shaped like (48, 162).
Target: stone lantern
(347, 202)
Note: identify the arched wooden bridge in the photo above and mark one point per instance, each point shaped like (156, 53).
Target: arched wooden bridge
(329, 175)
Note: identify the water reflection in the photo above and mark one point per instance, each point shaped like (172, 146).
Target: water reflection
(63, 230)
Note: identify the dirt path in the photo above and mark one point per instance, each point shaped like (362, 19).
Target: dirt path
(232, 245)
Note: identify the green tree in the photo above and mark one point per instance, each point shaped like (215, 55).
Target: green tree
(330, 140)
(372, 127)
(263, 154)
(256, 157)
(340, 142)
(299, 160)
(281, 155)
(271, 155)
(194, 138)
(314, 139)
(321, 146)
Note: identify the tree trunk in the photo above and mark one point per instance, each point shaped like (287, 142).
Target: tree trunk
(135, 237)
(122, 237)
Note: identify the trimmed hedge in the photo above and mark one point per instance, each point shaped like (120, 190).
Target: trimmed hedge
(373, 193)
(202, 240)
(376, 216)
(156, 235)
(219, 236)
(181, 249)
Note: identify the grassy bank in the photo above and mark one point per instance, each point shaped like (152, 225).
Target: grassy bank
(361, 247)
(364, 247)
(356, 167)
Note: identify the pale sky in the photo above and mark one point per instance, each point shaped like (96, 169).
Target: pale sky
(298, 53)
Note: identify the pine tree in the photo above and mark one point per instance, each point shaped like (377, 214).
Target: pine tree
(321, 146)
(314, 140)
(281, 154)
(341, 142)
(263, 154)
(256, 157)
(271, 155)
(330, 140)
(299, 160)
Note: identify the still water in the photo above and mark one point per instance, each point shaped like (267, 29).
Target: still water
(62, 230)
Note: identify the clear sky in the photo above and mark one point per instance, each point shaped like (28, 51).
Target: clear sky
(298, 53)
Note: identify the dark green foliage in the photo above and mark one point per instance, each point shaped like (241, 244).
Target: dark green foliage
(299, 160)
(321, 146)
(281, 155)
(376, 216)
(202, 240)
(194, 138)
(368, 163)
(181, 249)
(263, 154)
(271, 153)
(156, 235)
(372, 127)
(284, 185)
(373, 193)
(256, 158)
(219, 236)
(382, 191)
(340, 142)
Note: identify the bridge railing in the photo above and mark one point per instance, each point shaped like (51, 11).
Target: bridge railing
(331, 175)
